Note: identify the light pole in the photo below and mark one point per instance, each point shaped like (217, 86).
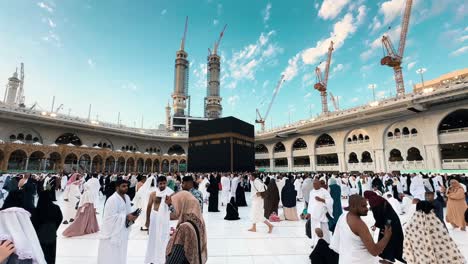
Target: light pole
(373, 86)
(421, 71)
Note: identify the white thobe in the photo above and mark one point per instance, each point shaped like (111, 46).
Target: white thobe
(404, 183)
(318, 213)
(202, 188)
(234, 183)
(114, 233)
(158, 231)
(256, 211)
(298, 187)
(395, 205)
(63, 182)
(72, 193)
(417, 187)
(438, 183)
(93, 186)
(280, 184)
(226, 189)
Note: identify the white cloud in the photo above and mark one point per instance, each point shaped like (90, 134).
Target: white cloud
(215, 22)
(232, 100)
(291, 70)
(375, 25)
(354, 99)
(362, 12)
(265, 83)
(129, 86)
(266, 13)
(317, 5)
(391, 9)
(309, 94)
(244, 63)
(200, 72)
(462, 38)
(459, 51)
(163, 12)
(411, 65)
(219, 9)
(341, 30)
(45, 7)
(338, 68)
(331, 8)
(91, 63)
(53, 38)
(51, 23)
(380, 94)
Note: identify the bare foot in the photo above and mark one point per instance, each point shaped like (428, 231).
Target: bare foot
(270, 229)
(252, 230)
(463, 229)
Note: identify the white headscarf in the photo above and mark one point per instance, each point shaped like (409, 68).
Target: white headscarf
(16, 226)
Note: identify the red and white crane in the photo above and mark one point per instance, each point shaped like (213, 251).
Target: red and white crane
(261, 120)
(322, 83)
(394, 59)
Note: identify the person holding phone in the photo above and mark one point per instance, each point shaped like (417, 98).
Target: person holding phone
(385, 215)
(115, 228)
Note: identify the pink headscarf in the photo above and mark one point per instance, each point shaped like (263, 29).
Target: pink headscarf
(73, 178)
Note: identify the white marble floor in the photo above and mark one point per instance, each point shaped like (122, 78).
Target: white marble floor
(228, 242)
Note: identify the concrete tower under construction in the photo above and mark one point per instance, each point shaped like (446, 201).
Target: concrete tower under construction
(13, 92)
(180, 95)
(213, 107)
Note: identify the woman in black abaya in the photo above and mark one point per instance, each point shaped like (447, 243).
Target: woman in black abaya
(213, 189)
(232, 212)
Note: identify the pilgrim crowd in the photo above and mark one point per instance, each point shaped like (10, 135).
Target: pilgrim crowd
(412, 213)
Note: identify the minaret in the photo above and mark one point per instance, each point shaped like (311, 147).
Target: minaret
(179, 96)
(12, 88)
(213, 107)
(168, 117)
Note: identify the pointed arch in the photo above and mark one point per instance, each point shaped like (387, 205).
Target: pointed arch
(176, 149)
(299, 144)
(261, 148)
(325, 140)
(279, 147)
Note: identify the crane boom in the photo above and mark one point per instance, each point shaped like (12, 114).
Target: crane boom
(219, 40)
(182, 44)
(404, 27)
(318, 74)
(334, 101)
(387, 43)
(327, 67)
(261, 120)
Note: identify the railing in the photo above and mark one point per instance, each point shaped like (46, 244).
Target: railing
(301, 165)
(386, 102)
(91, 123)
(358, 142)
(453, 130)
(297, 149)
(454, 160)
(323, 165)
(324, 145)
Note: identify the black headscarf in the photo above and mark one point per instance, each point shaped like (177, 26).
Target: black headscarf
(288, 194)
(14, 199)
(213, 185)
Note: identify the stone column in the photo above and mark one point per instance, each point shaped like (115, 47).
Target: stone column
(27, 164)
(380, 163)
(290, 163)
(91, 166)
(272, 164)
(342, 161)
(433, 159)
(125, 167)
(115, 165)
(312, 165)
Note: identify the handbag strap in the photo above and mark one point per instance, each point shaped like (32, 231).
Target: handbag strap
(198, 240)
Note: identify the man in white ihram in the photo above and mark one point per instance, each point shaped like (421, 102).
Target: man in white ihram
(114, 232)
(226, 189)
(320, 203)
(93, 186)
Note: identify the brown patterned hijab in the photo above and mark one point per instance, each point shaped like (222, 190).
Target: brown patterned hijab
(187, 210)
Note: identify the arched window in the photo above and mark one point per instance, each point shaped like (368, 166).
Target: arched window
(12, 137)
(176, 149)
(366, 157)
(260, 148)
(455, 120)
(35, 139)
(353, 158)
(17, 160)
(68, 138)
(397, 132)
(414, 155)
(20, 136)
(325, 140)
(349, 140)
(390, 134)
(279, 147)
(405, 131)
(354, 138)
(395, 155)
(299, 144)
(414, 131)
(360, 137)
(28, 138)
(366, 137)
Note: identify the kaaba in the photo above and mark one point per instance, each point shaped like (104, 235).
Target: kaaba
(224, 144)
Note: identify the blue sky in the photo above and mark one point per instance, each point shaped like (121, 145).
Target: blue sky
(118, 55)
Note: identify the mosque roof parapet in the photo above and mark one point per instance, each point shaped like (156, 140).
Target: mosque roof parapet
(429, 93)
(93, 124)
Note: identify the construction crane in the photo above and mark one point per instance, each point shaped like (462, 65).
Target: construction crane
(216, 45)
(20, 97)
(59, 108)
(322, 83)
(394, 59)
(335, 102)
(182, 43)
(261, 120)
